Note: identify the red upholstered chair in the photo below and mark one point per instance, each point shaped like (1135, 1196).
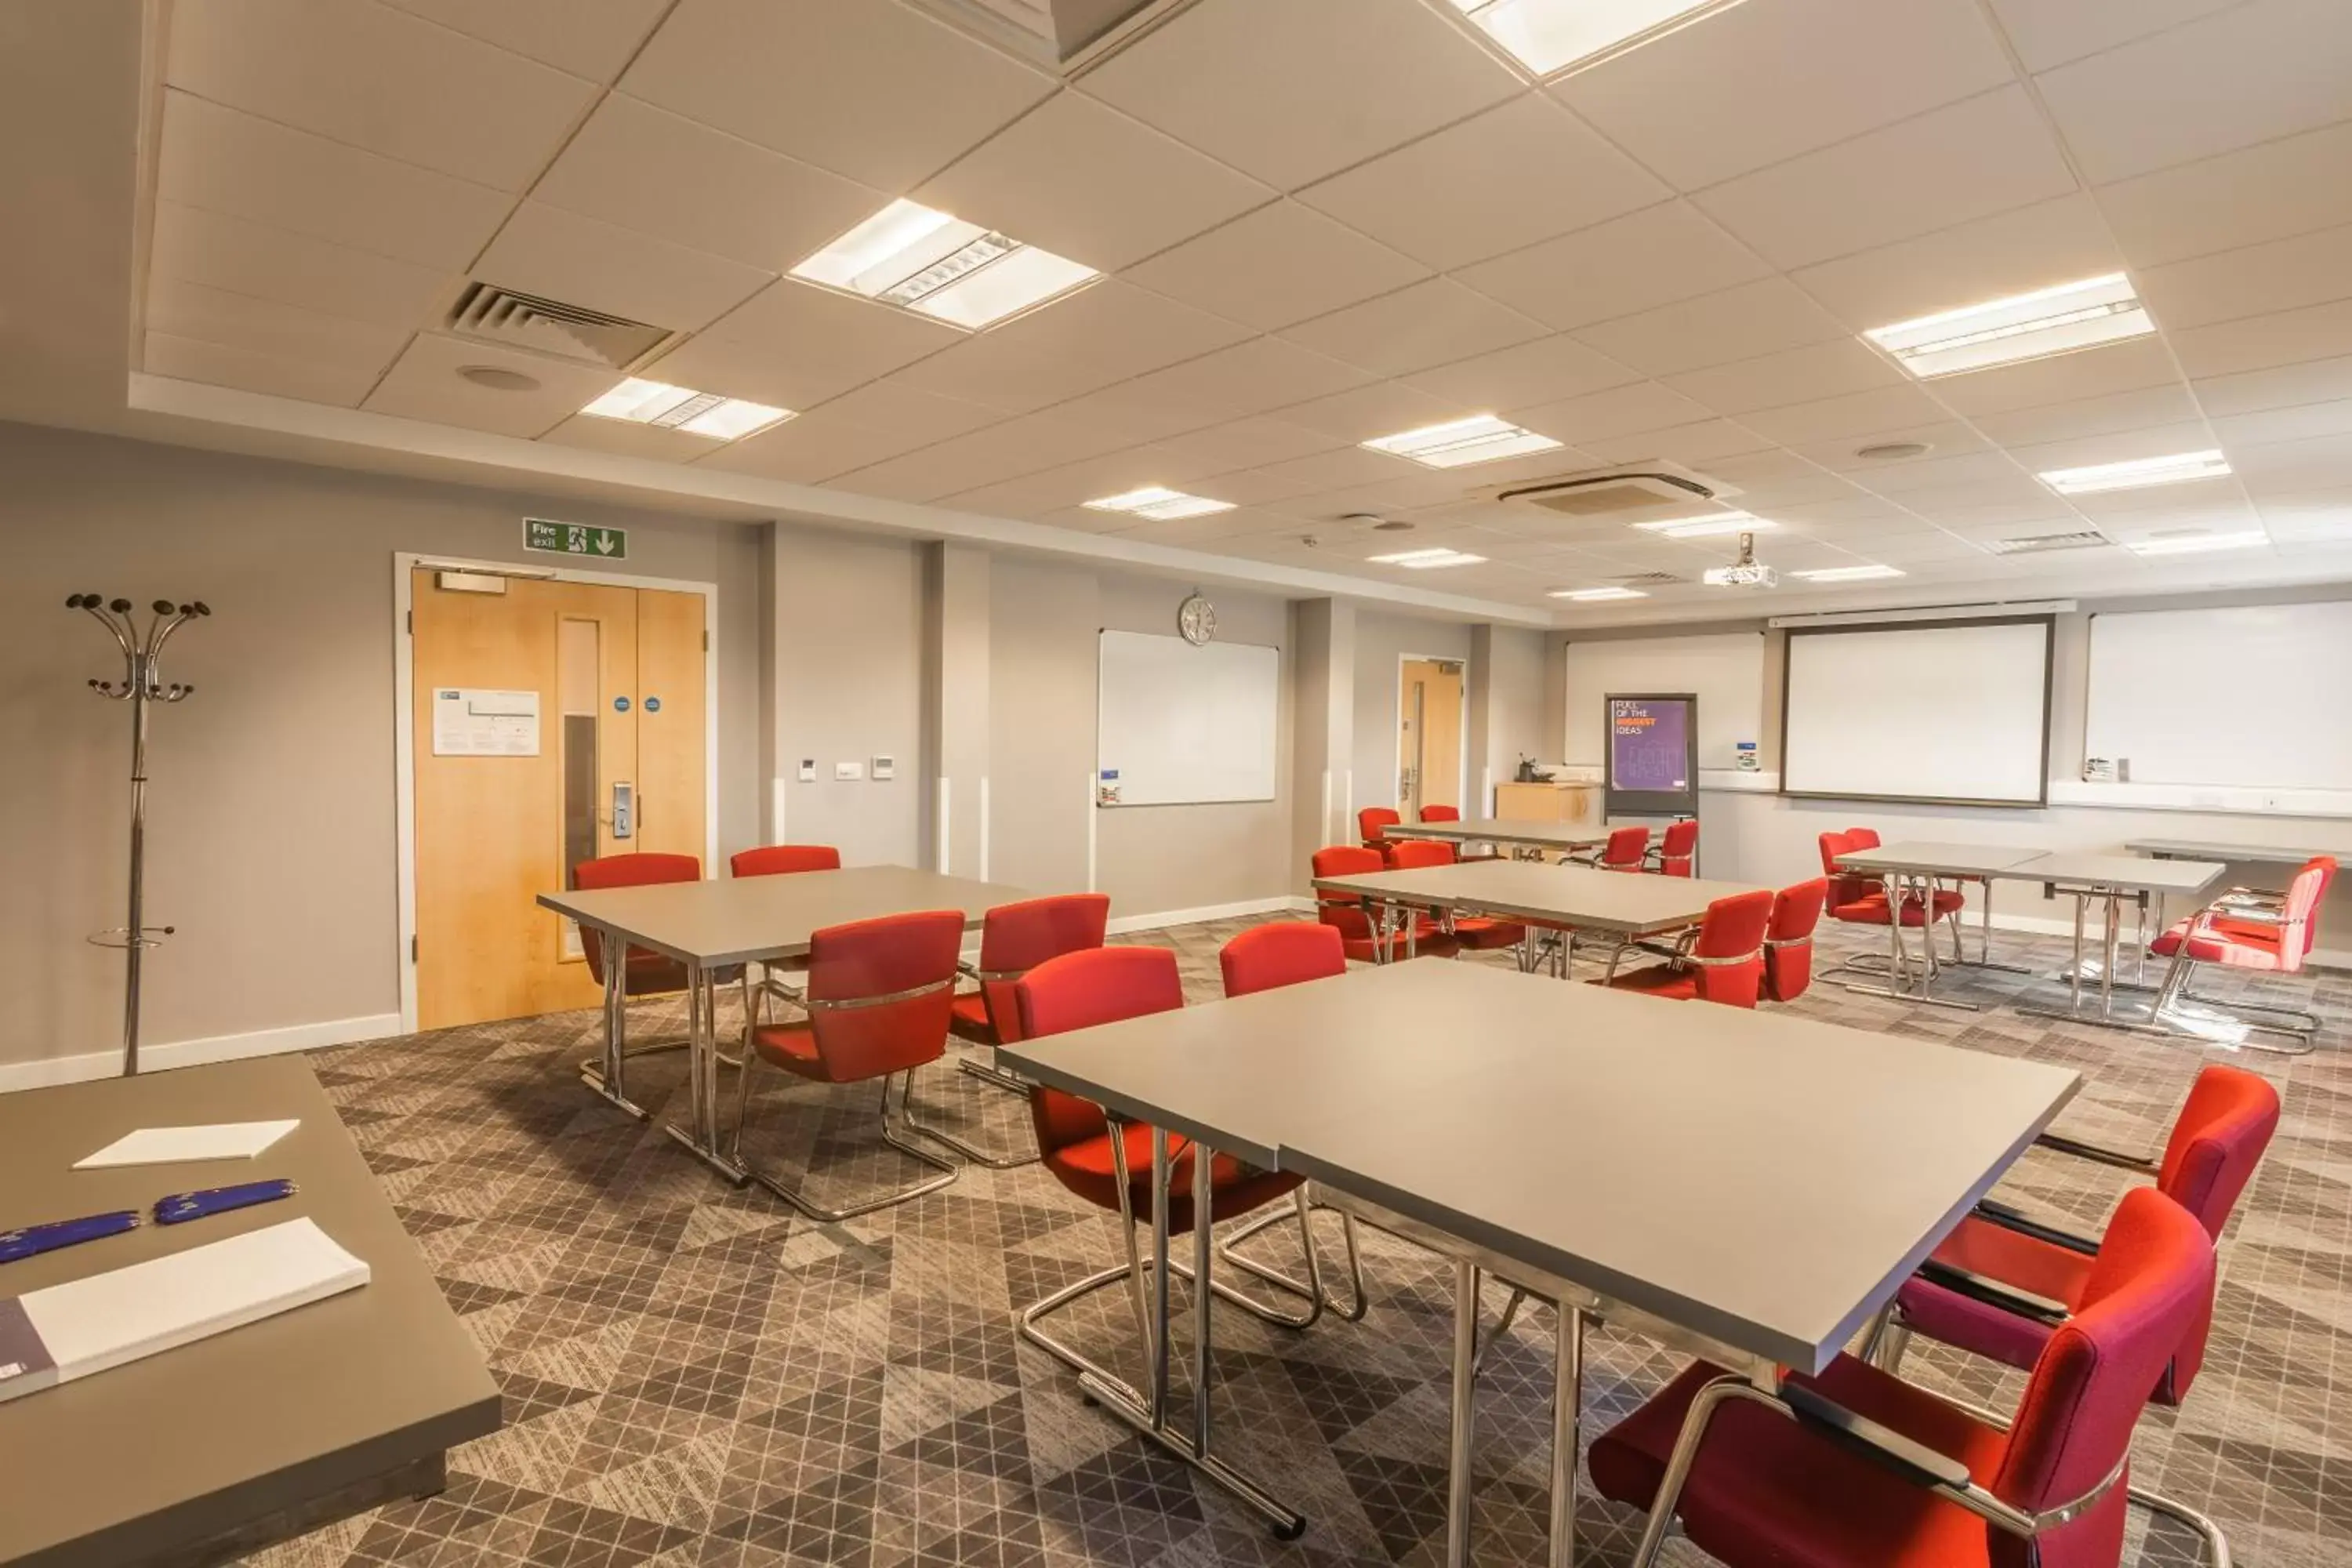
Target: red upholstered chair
(783, 859)
(876, 1007)
(2267, 933)
(1108, 1163)
(1861, 900)
(1346, 913)
(1722, 962)
(1628, 849)
(1013, 940)
(2002, 1285)
(1287, 952)
(644, 972)
(1474, 934)
(1371, 824)
(1677, 852)
(1453, 814)
(1855, 1467)
(1788, 940)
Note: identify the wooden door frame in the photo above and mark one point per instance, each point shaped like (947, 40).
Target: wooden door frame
(404, 565)
(1396, 724)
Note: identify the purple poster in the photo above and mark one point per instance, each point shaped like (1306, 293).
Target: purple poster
(1649, 744)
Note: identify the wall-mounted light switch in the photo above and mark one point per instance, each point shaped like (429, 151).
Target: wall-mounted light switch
(846, 772)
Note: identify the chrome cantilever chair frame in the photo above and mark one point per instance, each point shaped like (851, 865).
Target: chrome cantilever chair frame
(989, 1072)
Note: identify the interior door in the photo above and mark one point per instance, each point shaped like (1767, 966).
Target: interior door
(1429, 765)
(533, 749)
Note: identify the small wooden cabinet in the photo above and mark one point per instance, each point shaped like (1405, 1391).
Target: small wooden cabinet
(1548, 802)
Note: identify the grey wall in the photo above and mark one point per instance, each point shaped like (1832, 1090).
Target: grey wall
(271, 821)
(1381, 640)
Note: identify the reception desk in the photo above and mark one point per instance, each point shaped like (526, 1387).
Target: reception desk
(1579, 803)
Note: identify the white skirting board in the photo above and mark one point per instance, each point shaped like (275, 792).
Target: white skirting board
(190, 1053)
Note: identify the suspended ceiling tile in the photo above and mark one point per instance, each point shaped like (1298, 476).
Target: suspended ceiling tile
(2260, 342)
(2051, 242)
(2132, 366)
(1838, 367)
(1765, 82)
(926, 416)
(1384, 408)
(819, 344)
(872, 90)
(1105, 332)
(1695, 444)
(813, 447)
(1967, 160)
(2152, 103)
(2091, 418)
(2309, 270)
(1742, 322)
(1248, 378)
(2192, 434)
(218, 364)
(1278, 264)
(1085, 181)
(645, 169)
(1428, 323)
(1619, 411)
(363, 75)
(226, 161)
(1942, 438)
(1853, 415)
(217, 251)
(1280, 482)
(424, 384)
(1292, 90)
(1005, 452)
(1249, 443)
(1545, 371)
(1509, 177)
(2049, 33)
(559, 254)
(1648, 258)
(2284, 386)
(708, 362)
(186, 310)
(628, 438)
(2268, 191)
(593, 39)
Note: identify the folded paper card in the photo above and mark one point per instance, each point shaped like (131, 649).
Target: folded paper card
(170, 1145)
(104, 1321)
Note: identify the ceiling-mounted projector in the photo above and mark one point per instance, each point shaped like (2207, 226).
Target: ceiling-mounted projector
(1745, 573)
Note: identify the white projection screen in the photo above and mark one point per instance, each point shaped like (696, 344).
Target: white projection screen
(1953, 711)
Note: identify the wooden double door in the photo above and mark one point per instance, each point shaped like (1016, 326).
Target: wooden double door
(554, 722)
(1429, 735)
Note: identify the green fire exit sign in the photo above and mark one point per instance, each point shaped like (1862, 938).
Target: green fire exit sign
(575, 539)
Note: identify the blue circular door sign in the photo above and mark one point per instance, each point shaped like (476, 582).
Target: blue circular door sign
(652, 704)
(620, 705)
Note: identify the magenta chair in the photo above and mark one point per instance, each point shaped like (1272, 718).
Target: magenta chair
(1855, 1469)
(644, 973)
(2003, 1284)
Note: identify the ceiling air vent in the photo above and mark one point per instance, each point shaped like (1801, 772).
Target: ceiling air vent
(2040, 544)
(490, 314)
(1609, 493)
(1648, 579)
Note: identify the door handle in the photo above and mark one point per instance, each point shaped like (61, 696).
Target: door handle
(625, 809)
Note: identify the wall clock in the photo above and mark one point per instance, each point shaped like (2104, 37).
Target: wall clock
(1196, 618)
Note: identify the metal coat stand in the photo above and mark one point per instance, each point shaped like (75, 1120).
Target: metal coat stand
(140, 684)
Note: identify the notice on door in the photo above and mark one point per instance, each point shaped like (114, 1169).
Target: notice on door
(471, 722)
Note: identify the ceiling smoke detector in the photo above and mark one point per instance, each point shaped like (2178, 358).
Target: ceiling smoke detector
(1745, 573)
(1893, 452)
(1377, 523)
(498, 378)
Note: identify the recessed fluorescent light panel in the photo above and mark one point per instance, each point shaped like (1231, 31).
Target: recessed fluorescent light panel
(1481, 438)
(941, 267)
(1422, 560)
(1548, 36)
(1849, 573)
(1160, 504)
(2138, 474)
(1594, 596)
(1707, 527)
(2197, 543)
(2047, 321)
(671, 407)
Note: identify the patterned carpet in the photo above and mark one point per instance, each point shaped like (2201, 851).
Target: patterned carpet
(696, 1376)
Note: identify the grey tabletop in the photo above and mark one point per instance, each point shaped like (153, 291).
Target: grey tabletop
(2231, 854)
(1654, 1153)
(1497, 830)
(1620, 904)
(2122, 873)
(741, 918)
(181, 1446)
(1940, 860)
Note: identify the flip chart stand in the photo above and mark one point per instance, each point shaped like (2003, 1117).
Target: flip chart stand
(141, 683)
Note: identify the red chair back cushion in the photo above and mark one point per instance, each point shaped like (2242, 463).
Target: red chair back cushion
(1862, 838)
(1017, 937)
(1626, 847)
(783, 859)
(1413, 854)
(1372, 819)
(2153, 1278)
(1734, 927)
(1341, 911)
(909, 959)
(1789, 950)
(1440, 814)
(1077, 990)
(1844, 886)
(2217, 1143)
(628, 871)
(1678, 847)
(1268, 956)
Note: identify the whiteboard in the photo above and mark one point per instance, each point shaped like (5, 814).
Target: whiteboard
(1727, 672)
(1954, 713)
(1181, 725)
(2247, 696)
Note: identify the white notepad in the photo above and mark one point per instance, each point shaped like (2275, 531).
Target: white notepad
(170, 1145)
(90, 1325)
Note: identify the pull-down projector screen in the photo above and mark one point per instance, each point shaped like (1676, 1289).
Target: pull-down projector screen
(1952, 711)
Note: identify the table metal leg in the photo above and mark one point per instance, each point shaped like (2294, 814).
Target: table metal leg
(1900, 982)
(1458, 1487)
(2074, 972)
(701, 1136)
(2112, 937)
(1567, 1432)
(606, 1077)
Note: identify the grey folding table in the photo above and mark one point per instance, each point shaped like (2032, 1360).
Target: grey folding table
(2227, 854)
(1623, 907)
(2109, 881)
(1529, 839)
(221, 1448)
(713, 925)
(1605, 1150)
(1914, 867)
